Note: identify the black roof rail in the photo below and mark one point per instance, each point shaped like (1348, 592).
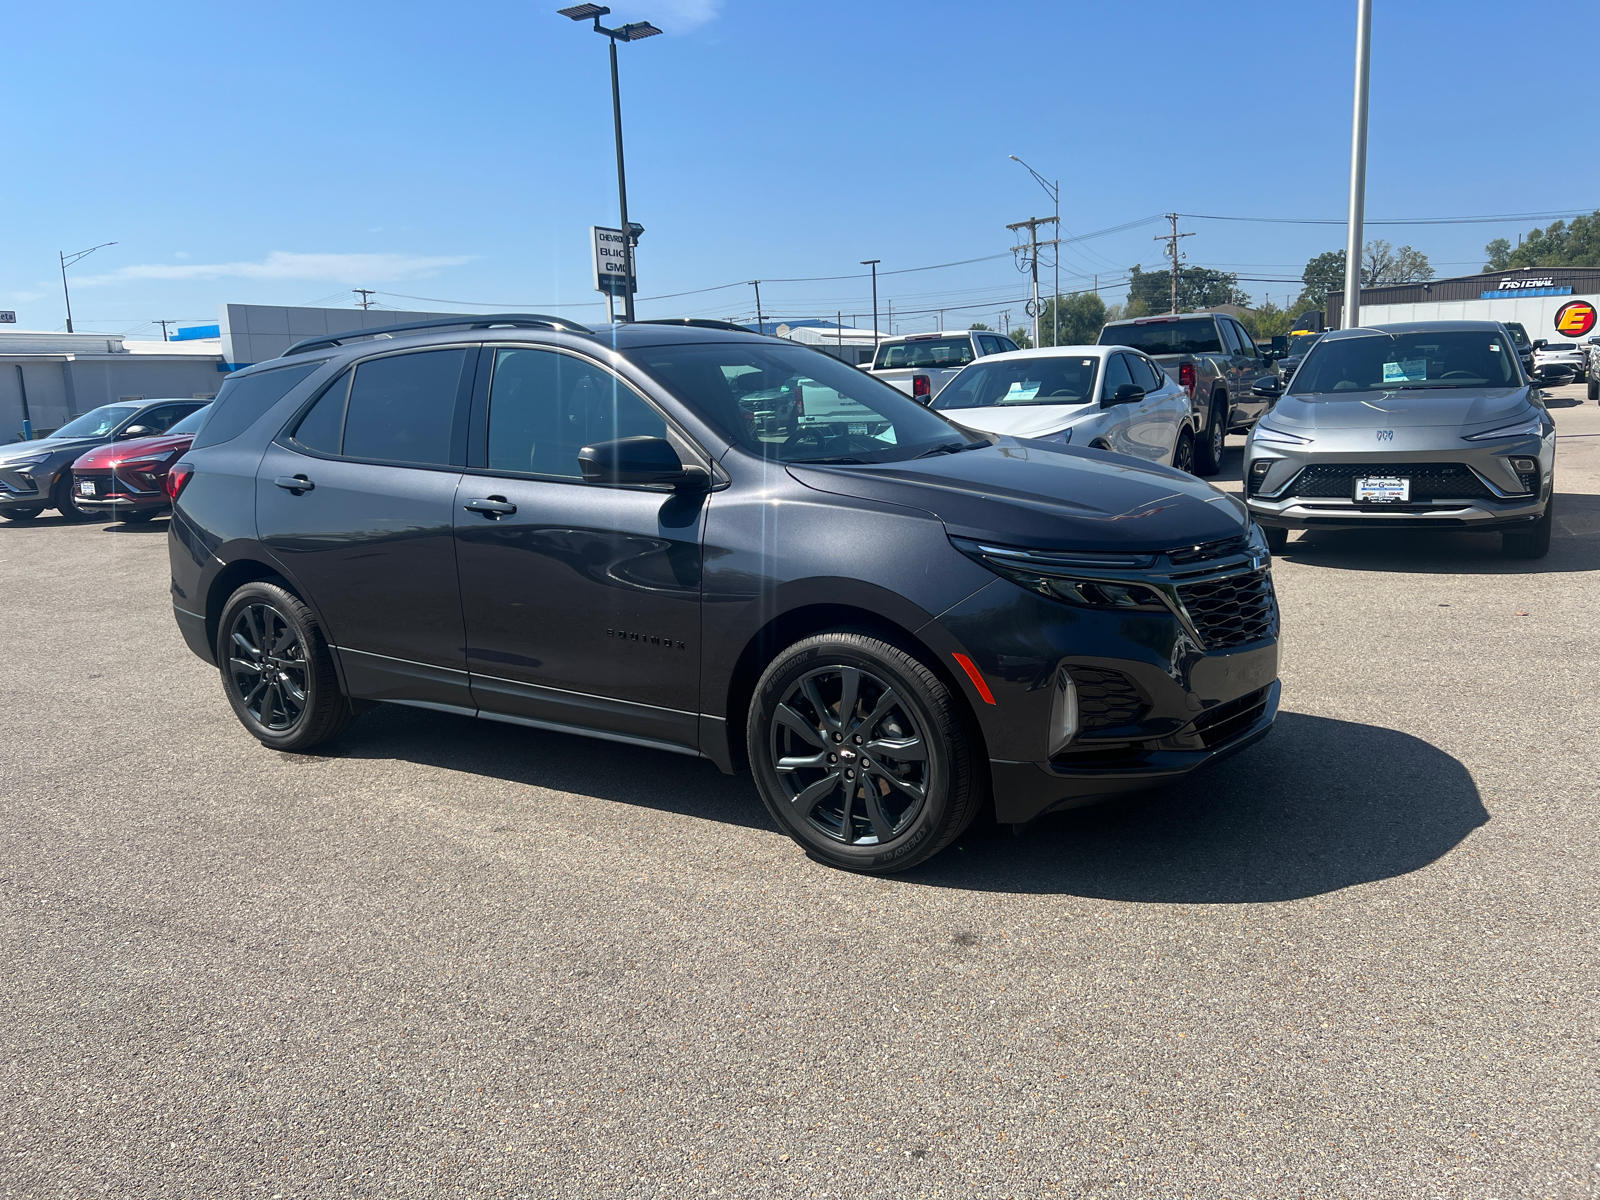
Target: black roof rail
(699, 323)
(518, 320)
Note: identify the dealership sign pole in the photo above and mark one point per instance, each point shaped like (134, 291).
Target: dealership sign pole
(1358, 168)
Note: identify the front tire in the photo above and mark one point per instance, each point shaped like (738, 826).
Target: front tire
(65, 502)
(21, 514)
(862, 754)
(1594, 387)
(1208, 453)
(276, 670)
(1534, 541)
(1183, 452)
(1277, 538)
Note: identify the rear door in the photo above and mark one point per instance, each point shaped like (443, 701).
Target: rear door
(1252, 369)
(1119, 420)
(581, 600)
(357, 502)
(1155, 420)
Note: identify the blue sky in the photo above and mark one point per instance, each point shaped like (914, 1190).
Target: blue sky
(284, 154)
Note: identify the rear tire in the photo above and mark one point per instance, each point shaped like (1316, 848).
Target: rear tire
(1277, 538)
(1534, 541)
(1183, 452)
(862, 754)
(21, 514)
(138, 516)
(276, 670)
(1208, 451)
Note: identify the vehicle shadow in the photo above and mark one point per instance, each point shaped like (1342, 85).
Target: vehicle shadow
(1574, 546)
(1320, 805)
(558, 761)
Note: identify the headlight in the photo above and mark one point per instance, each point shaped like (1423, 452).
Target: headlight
(1530, 426)
(29, 460)
(1266, 433)
(1071, 578)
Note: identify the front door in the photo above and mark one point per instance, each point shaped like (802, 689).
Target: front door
(582, 601)
(357, 503)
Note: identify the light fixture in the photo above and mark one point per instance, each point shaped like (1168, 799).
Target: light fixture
(583, 12)
(638, 31)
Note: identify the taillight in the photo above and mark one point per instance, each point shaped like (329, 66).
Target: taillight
(177, 479)
(1186, 378)
(920, 388)
(799, 402)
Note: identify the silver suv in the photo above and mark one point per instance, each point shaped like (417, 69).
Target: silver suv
(1424, 425)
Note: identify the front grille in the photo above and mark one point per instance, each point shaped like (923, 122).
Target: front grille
(1227, 721)
(1233, 611)
(1206, 551)
(103, 484)
(1429, 481)
(1106, 699)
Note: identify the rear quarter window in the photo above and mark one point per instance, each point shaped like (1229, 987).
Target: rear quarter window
(244, 398)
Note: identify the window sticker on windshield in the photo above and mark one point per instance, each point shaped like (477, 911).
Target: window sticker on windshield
(1495, 347)
(1411, 370)
(1021, 391)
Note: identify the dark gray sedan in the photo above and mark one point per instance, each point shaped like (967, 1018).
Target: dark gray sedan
(37, 475)
(1408, 426)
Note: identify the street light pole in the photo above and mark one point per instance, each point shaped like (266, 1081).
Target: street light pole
(66, 261)
(873, 263)
(1054, 192)
(1358, 168)
(633, 32)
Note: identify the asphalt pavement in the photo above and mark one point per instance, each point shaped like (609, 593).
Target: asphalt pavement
(455, 958)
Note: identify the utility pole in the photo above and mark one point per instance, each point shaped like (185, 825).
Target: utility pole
(1358, 168)
(1053, 190)
(1172, 250)
(838, 323)
(760, 325)
(66, 261)
(891, 325)
(873, 263)
(1032, 247)
(366, 297)
(163, 324)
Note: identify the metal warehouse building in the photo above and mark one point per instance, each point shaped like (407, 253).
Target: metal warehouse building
(1531, 296)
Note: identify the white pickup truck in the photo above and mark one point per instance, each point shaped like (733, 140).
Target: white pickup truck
(920, 364)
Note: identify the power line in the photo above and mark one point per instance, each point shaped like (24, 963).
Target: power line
(1481, 220)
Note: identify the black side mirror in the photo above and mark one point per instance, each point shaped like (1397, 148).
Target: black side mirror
(639, 462)
(1270, 388)
(1555, 374)
(1541, 343)
(133, 431)
(1126, 393)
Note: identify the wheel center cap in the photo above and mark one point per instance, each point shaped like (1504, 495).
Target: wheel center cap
(846, 753)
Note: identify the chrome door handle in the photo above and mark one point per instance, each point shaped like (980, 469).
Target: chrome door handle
(493, 508)
(294, 483)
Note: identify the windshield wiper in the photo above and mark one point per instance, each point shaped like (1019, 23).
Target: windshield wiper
(951, 448)
(811, 462)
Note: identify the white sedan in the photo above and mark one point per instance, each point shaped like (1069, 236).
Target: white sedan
(1103, 397)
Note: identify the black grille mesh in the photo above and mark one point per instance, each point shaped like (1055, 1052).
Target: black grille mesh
(1106, 698)
(1227, 720)
(1429, 481)
(1233, 611)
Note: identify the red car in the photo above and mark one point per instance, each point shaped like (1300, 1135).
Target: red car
(127, 480)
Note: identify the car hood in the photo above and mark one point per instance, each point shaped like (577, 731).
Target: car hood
(1398, 409)
(1019, 420)
(1022, 494)
(9, 454)
(104, 457)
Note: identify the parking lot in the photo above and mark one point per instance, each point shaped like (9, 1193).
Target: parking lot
(460, 958)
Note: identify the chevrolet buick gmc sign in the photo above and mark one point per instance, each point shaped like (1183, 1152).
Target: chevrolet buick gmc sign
(7, 316)
(609, 262)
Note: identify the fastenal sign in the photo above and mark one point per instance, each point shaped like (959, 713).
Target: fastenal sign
(610, 264)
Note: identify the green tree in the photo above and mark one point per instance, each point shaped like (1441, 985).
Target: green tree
(1080, 318)
(1022, 336)
(1382, 263)
(1198, 287)
(980, 325)
(1267, 320)
(1323, 274)
(1557, 245)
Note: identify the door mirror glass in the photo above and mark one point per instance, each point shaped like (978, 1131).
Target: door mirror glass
(133, 431)
(1270, 388)
(641, 461)
(1126, 393)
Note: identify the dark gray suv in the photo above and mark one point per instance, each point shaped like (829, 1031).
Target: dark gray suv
(893, 624)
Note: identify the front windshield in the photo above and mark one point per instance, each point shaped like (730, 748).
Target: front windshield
(1519, 335)
(1015, 382)
(191, 423)
(791, 404)
(97, 422)
(926, 353)
(1374, 362)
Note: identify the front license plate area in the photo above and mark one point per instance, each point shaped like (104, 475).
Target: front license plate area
(85, 487)
(1383, 489)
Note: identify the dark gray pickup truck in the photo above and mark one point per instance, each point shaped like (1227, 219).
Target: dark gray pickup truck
(1213, 359)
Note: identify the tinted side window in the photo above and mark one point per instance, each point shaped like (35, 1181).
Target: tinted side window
(1144, 374)
(322, 427)
(544, 407)
(1008, 344)
(401, 408)
(244, 398)
(1116, 375)
(163, 417)
(991, 345)
(1246, 343)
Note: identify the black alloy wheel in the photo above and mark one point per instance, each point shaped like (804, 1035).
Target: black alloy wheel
(21, 514)
(861, 753)
(1183, 452)
(1208, 454)
(276, 669)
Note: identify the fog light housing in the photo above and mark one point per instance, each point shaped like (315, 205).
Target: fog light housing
(1521, 465)
(1063, 712)
(1258, 475)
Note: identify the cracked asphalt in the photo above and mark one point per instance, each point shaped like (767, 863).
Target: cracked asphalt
(454, 958)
